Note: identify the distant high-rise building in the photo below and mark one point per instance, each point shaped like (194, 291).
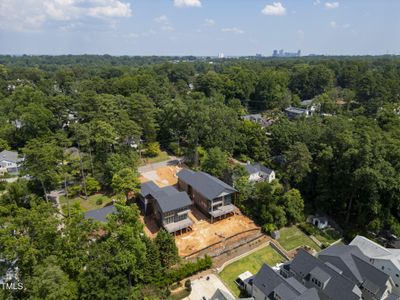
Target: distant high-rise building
(221, 55)
(281, 53)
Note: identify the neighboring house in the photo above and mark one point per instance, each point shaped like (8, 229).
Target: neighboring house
(268, 284)
(221, 295)
(319, 221)
(169, 206)
(8, 272)
(327, 279)
(310, 105)
(101, 213)
(259, 173)
(211, 195)
(259, 119)
(294, 112)
(10, 162)
(373, 283)
(385, 259)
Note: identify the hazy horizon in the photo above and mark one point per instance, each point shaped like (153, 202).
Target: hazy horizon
(198, 27)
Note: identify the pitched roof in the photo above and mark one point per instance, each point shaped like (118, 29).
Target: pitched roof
(10, 156)
(168, 198)
(256, 167)
(337, 287)
(172, 201)
(147, 188)
(207, 185)
(374, 250)
(101, 213)
(270, 282)
(355, 265)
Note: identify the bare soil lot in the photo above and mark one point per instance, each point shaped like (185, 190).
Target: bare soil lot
(162, 176)
(204, 233)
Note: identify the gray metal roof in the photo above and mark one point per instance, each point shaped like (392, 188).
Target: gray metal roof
(256, 167)
(101, 213)
(207, 185)
(10, 156)
(168, 198)
(296, 110)
(147, 188)
(172, 201)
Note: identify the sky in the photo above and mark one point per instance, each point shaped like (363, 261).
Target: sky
(199, 27)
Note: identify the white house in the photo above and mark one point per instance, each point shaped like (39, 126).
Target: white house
(10, 162)
(259, 172)
(385, 259)
(319, 222)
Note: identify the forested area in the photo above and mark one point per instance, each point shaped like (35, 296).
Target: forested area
(86, 121)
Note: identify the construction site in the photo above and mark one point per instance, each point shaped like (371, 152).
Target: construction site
(204, 236)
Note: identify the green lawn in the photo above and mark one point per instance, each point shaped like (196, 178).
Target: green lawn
(86, 205)
(292, 238)
(329, 235)
(252, 263)
(151, 160)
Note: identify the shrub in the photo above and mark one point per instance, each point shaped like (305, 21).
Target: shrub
(188, 285)
(188, 269)
(99, 201)
(92, 185)
(153, 149)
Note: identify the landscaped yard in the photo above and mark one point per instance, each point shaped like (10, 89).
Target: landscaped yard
(292, 238)
(252, 263)
(328, 236)
(93, 202)
(151, 160)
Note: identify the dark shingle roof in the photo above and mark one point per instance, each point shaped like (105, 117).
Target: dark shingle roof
(207, 185)
(255, 168)
(100, 214)
(338, 287)
(355, 266)
(268, 281)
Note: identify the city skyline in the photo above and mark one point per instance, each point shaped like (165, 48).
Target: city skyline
(198, 27)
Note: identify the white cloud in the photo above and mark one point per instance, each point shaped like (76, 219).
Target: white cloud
(110, 8)
(209, 22)
(167, 28)
(28, 15)
(162, 19)
(317, 2)
(331, 5)
(274, 9)
(233, 30)
(332, 24)
(189, 3)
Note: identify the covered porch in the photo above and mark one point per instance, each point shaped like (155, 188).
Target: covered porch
(178, 227)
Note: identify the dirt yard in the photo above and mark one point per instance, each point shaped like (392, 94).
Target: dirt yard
(162, 176)
(204, 233)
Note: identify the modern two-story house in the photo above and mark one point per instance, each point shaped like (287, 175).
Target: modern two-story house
(212, 196)
(169, 206)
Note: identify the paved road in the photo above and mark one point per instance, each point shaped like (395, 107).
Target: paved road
(172, 161)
